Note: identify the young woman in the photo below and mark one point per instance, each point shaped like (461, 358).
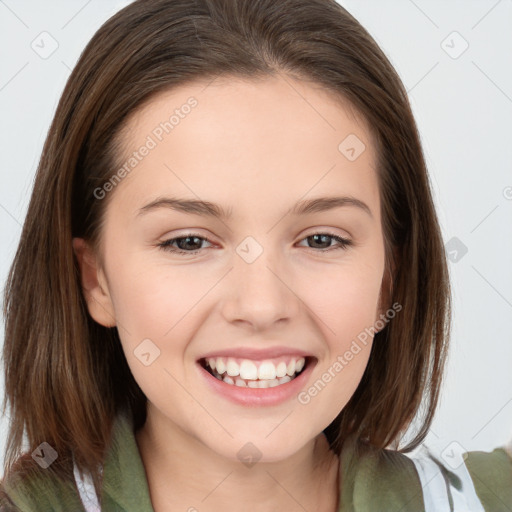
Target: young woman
(231, 290)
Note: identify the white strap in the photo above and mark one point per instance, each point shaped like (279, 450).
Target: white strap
(435, 485)
(435, 494)
(86, 489)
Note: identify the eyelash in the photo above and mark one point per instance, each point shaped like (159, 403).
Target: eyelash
(166, 245)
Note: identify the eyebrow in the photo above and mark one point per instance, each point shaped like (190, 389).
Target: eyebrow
(208, 209)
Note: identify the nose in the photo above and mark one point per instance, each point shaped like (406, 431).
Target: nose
(259, 293)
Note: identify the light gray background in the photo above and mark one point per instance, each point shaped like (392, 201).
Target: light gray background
(463, 106)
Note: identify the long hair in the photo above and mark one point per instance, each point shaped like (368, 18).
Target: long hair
(66, 376)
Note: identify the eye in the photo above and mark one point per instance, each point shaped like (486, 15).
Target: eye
(322, 238)
(193, 240)
(189, 239)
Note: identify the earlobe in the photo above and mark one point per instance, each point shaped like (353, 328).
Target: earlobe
(94, 285)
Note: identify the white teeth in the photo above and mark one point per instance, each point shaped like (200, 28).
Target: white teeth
(232, 368)
(281, 369)
(248, 374)
(255, 383)
(221, 367)
(290, 369)
(267, 371)
(248, 370)
(241, 383)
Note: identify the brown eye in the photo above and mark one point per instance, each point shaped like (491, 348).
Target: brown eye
(188, 241)
(323, 241)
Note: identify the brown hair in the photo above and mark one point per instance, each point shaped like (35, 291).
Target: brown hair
(66, 376)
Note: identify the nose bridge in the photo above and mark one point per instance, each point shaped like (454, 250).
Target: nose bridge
(258, 290)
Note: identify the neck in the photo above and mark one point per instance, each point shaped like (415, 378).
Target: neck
(184, 474)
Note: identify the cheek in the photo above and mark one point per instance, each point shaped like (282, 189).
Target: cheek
(344, 297)
(150, 298)
(154, 309)
(334, 384)
(160, 301)
(347, 309)
(346, 301)
(155, 314)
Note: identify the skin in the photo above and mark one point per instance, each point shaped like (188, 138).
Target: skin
(257, 148)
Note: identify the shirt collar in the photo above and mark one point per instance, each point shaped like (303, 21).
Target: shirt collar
(370, 479)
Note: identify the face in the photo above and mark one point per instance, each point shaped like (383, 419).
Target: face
(238, 327)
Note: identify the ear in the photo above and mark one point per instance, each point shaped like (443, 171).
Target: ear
(94, 284)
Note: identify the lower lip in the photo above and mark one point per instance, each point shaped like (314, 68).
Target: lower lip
(258, 396)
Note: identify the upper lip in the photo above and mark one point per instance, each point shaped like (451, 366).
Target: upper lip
(257, 353)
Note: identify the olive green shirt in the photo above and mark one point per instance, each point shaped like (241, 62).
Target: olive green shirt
(378, 481)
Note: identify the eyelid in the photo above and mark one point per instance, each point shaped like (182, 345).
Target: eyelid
(325, 230)
(184, 233)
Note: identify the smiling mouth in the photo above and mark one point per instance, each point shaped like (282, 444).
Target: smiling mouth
(255, 374)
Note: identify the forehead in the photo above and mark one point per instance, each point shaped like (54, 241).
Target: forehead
(249, 140)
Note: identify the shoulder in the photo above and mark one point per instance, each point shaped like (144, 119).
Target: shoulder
(373, 479)
(11, 483)
(491, 473)
(28, 487)
(6, 505)
(457, 481)
(60, 487)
